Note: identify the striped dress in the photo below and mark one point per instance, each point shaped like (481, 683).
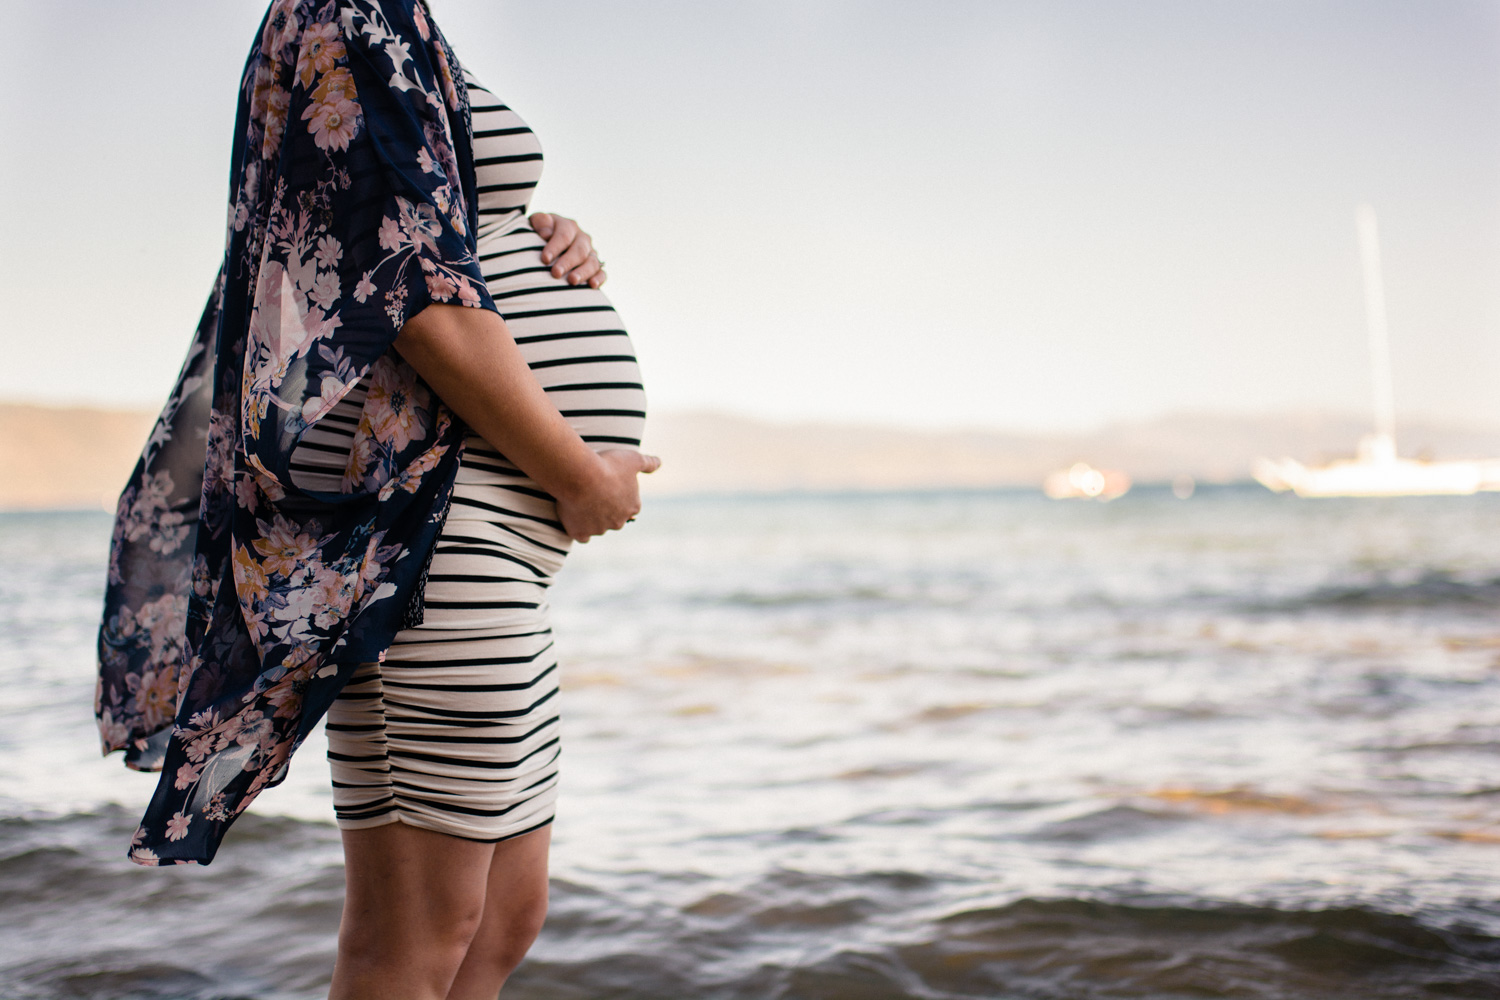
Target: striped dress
(457, 729)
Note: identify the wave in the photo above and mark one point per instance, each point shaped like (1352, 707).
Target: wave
(78, 921)
(1434, 590)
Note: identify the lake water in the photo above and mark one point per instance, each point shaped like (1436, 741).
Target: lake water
(966, 745)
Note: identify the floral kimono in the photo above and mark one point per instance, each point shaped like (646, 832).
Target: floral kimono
(238, 603)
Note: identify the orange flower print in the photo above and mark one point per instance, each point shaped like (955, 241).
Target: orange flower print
(361, 455)
(177, 826)
(410, 479)
(321, 46)
(332, 122)
(249, 578)
(260, 93)
(338, 82)
(283, 548)
(278, 105)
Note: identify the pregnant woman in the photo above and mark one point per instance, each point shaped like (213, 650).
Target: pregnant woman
(402, 405)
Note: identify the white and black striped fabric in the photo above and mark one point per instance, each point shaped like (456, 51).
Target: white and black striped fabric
(457, 729)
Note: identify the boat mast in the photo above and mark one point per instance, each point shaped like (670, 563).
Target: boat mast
(1380, 340)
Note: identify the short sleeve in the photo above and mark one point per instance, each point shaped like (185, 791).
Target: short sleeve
(365, 148)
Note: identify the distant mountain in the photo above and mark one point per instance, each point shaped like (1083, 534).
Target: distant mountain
(67, 456)
(79, 457)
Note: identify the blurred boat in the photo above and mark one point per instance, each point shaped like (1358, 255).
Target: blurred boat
(1377, 470)
(1084, 482)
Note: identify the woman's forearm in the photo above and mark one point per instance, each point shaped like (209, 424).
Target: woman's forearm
(469, 358)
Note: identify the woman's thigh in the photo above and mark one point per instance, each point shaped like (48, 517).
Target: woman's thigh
(413, 882)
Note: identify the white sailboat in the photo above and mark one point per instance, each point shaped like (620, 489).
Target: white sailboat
(1377, 470)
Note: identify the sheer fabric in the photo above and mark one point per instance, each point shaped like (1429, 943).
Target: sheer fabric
(238, 604)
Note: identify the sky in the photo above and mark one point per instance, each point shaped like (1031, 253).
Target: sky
(1041, 215)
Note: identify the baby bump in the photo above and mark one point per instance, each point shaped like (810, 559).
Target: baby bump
(571, 337)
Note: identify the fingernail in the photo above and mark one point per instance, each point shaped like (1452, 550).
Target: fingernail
(546, 258)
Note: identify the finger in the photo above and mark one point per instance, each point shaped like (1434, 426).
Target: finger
(649, 464)
(542, 223)
(599, 278)
(564, 235)
(574, 257)
(584, 273)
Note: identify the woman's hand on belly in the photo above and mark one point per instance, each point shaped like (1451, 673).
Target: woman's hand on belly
(470, 359)
(610, 499)
(569, 250)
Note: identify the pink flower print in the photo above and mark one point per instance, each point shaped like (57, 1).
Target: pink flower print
(325, 289)
(361, 454)
(333, 594)
(283, 548)
(390, 238)
(177, 826)
(318, 406)
(441, 287)
(200, 748)
(276, 323)
(420, 224)
(203, 721)
(420, 21)
(256, 731)
(365, 288)
(255, 624)
(186, 775)
(143, 856)
(114, 731)
(321, 46)
(281, 27)
(390, 407)
(329, 251)
(332, 122)
(301, 604)
(246, 493)
(467, 293)
(425, 161)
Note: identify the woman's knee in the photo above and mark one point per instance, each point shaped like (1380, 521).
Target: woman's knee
(508, 932)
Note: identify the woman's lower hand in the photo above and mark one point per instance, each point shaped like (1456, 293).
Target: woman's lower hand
(569, 250)
(609, 498)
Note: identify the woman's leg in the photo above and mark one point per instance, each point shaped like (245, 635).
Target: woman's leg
(515, 905)
(413, 901)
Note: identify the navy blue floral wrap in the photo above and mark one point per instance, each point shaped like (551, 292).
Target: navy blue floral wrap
(238, 603)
